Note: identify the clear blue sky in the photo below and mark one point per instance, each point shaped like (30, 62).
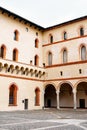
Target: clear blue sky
(47, 12)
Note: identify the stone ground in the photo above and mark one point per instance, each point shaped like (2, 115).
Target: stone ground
(48, 119)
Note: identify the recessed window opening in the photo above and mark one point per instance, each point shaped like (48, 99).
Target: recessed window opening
(65, 35)
(83, 53)
(64, 56)
(81, 31)
(49, 58)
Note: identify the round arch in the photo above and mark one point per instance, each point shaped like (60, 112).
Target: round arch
(78, 82)
(81, 94)
(59, 85)
(51, 83)
(50, 97)
(66, 95)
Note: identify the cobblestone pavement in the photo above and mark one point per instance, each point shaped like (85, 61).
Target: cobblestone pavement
(48, 119)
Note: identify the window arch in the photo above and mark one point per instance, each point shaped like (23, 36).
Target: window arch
(83, 52)
(81, 31)
(36, 43)
(37, 97)
(49, 58)
(36, 60)
(13, 95)
(3, 51)
(65, 35)
(15, 55)
(64, 56)
(16, 35)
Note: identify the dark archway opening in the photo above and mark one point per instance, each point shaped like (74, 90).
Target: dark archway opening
(66, 96)
(50, 99)
(82, 95)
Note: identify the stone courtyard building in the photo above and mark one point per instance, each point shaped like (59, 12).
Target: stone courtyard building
(42, 67)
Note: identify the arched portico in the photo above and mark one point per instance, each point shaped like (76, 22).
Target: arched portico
(82, 95)
(50, 98)
(66, 96)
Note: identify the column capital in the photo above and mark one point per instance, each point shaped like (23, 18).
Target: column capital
(57, 91)
(43, 91)
(74, 91)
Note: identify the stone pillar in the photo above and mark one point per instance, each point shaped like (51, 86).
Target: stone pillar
(43, 93)
(74, 98)
(57, 92)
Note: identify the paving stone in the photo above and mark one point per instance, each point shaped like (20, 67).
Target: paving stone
(51, 119)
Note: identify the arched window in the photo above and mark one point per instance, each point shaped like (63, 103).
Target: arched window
(64, 56)
(65, 35)
(81, 31)
(83, 53)
(13, 95)
(3, 51)
(16, 35)
(36, 43)
(49, 58)
(50, 38)
(15, 55)
(37, 97)
(36, 60)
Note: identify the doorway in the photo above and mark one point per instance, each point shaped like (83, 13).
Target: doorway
(48, 103)
(82, 103)
(26, 104)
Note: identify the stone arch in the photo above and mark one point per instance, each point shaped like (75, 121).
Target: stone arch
(81, 89)
(46, 84)
(66, 95)
(68, 82)
(50, 97)
(78, 82)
